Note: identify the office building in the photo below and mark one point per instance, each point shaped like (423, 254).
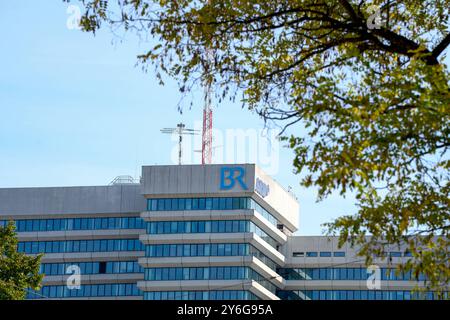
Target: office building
(191, 232)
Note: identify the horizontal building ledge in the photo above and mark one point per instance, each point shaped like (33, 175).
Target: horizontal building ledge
(80, 235)
(95, 279)
(91, 256)
(347, 285)
(99, 298)
(59, 215)
(208, 285)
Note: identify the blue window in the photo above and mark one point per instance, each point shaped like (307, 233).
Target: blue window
(173, 227)
(339, 254)
(236, 203)
(160, 205)
(222, 204)
(80, 246)
(194, 226)
(229, 203)
(195, 204)
(58, 224)
(311, 254)
(200, 295)
(353, 295)
(42, 225)
(188, 204)
(208, 204)
(325, 254)
(96, 290)
(174, 204)
(221, 227)
(215, 203)
(167, 204)
(181, 204)
(77, 224)
(358, 274)
(351, 274)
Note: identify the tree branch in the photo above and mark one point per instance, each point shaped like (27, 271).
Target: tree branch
(348, 7)
(441, 47)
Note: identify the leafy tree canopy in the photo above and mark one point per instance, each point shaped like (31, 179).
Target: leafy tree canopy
(18, 272)
(365, 80)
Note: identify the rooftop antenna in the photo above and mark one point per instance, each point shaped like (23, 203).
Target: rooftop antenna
(207, 121)
(181, 131)
(207, 135)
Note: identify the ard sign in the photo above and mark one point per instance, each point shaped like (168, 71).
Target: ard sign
(261, 188)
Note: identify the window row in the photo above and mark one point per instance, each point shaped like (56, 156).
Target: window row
(207, 250)
(314, 254)
(343, 274)
(207, 273)
(394, 254)
(97, 267)
(228, 203)
(68, 224)
(197, 273)
(359, 295)
(322, 254)
(200, 295)
(216, 226)
(92, 290)
(33, 247)
(197, 250)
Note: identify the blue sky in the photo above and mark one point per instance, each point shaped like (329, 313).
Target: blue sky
(75, 110)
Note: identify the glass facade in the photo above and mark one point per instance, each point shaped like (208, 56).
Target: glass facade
(200, 295)
(358, 295)
(207, 273)
(207, 249)
(96, 267)
(216, 226)
(229, 203)
(70, 224)
(91, 290)
(197, 250)
(219, 226)
(104, 245)
(322, 254)
(342, 274)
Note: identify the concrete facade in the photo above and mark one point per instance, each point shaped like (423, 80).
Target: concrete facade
(186, 232)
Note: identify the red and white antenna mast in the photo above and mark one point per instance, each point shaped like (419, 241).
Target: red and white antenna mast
(207, 114)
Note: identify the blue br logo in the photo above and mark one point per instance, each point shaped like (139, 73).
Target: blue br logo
(229, 176)
(262, 188)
